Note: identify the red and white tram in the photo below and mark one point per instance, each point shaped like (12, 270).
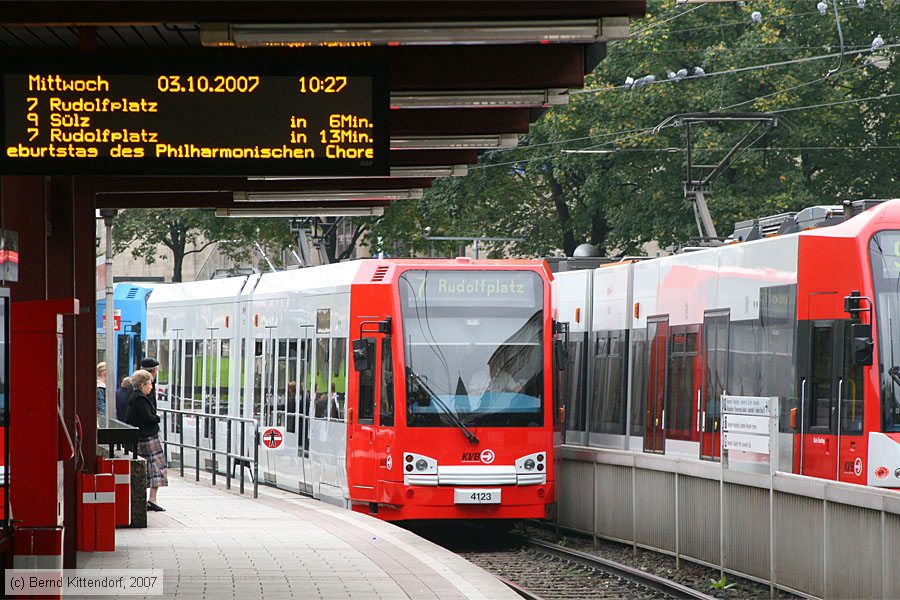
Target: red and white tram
(407, 389)
(811, 317)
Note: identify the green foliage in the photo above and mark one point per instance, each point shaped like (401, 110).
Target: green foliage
(146, 231)
(620, 200)
(721, 584)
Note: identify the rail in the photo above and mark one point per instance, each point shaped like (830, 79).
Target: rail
(666, 587)
(240, 459)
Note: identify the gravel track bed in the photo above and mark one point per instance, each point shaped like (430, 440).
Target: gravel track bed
(553, 578)
(690, 574)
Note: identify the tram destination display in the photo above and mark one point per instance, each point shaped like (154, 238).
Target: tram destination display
(194, 118)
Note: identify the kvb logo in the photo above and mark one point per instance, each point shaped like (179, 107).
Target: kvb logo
(487, 456)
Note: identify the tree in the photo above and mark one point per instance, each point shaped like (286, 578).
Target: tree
(839, 149)
(146, 231)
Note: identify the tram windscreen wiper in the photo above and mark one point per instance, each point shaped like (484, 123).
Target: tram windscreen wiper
(440, 403)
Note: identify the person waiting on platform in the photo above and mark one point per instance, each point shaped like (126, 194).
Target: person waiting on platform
(151, 365)
(101, 388)
(122, 398)
(142, 414)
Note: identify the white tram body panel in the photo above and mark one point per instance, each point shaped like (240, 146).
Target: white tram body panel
(612, 313)
(573, 290)
(680, 290)
(309, 306)
(278, 345)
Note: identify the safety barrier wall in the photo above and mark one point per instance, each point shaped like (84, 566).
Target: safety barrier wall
(819, 538)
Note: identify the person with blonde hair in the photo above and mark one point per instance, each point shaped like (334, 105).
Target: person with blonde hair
(142, 414)
(101, 388)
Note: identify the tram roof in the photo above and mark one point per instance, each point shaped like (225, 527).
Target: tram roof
(470, 55)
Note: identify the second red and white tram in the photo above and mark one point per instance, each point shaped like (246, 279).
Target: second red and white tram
(407, 389)
(812, 318)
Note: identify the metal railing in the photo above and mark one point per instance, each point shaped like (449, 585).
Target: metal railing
(241, 459)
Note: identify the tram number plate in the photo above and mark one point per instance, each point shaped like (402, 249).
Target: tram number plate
(471, 496)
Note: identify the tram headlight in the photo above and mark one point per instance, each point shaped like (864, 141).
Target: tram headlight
(421, 465)
(529, 465)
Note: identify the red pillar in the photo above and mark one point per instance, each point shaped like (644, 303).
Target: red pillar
(41, 407)
(85, 251)
(61, 284)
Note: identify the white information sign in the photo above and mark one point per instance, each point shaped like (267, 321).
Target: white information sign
(745, 424)
(746, 405)
(746, 442)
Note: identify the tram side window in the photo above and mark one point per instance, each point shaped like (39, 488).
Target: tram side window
(257, 378)
(852, 390)
(320, 391)
(338, 396)
(777, 310)
(209, 376)
(608, 393)
(683, 367)
(177, 374)
(820, 392)
(571, 388)
(290, 390)
(269, 384)
(152, 350)
(367, 387)
(639, 374)
(199, 366)
(745, 353)
(243, 371)
(280, 385)
(303, 376)
(224, 376)
(188, 375)
(716, 348)
(162, 377)
(387, 384)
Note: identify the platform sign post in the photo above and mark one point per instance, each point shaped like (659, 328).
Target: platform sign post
(750, 433)
(750, 429)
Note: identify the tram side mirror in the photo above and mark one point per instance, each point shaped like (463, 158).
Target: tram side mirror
(363, 354)
(861, 344)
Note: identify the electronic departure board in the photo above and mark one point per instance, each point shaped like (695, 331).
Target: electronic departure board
(224, 117)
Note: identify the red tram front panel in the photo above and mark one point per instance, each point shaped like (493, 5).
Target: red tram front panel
(450, 412)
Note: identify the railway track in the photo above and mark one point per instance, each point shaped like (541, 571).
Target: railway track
(660, 587)
(537, 569)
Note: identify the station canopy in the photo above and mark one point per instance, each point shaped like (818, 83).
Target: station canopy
(310, 108)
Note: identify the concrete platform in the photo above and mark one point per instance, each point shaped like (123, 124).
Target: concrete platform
(211, 543)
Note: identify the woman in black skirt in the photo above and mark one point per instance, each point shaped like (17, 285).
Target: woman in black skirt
(142, 414)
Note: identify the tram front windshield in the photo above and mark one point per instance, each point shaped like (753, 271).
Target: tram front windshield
(473, 344)
(884, 251)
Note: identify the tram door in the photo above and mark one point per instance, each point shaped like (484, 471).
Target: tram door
(361, 428)
(658, 341)
(831, 402)
(715, 374)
